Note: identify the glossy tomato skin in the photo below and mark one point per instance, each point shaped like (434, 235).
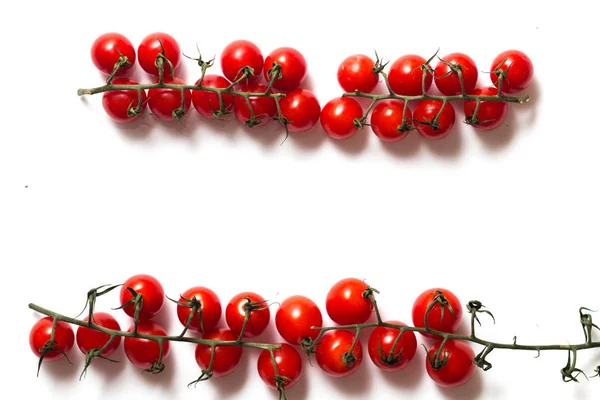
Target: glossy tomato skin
(117, 103)
(150, 47)
(208, 102)
(427, 110)
(226, 358)
(449, 323)
(239, 54)
(107, 49)
(144, 352)
(152, 293)
(301, 108)
(89, 339)
(42, 331)
(330, 350)
(491, 114)
(383, 338)
(293, 68)
(459, 367)
(210, 306)
(405, 75)
(163, 102)
(235, 313)
(356, 73)
(519, 67)
(386, 118)
(448, 82)
(264, 107)
(289, 365)
(338, 115)
(295, 318)
(345, 303)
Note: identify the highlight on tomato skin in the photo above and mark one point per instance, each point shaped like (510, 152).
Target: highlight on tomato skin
(226, 358)
(345, 303)
(118, 104)
(518, 68)
(356, 73)
(154, 44)
(458, 366)
(447, 322)
(108, 48)
(338, 116)
(289, 366)
(387, 351)
(40, 334)
(151, 291)
(295, 318)
(293, 68)
(333, 349)
(143, 353)
(89, 339)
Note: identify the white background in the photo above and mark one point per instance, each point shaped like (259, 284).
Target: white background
(509, 217)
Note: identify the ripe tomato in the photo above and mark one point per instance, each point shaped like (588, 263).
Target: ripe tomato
(519, 70)
(107, 49)
(207, 103)
(40, 335)
(89, 339)
(150, 47)
(345, 303)
(338, 116)
(356, 73)
(226, 358)
(333, 348)
(442, 319)
(293, 68)
(121, 105)
(295, 318)
(301, 109)
(491, 114)
(152, 292)
(236, 312)
(447, 80)
(210, 307)
(405, 76)
(166, 103)
(289, 366)
(386, 120)
(459, 366)
(264, 107)
(239, 54)
(424, 114)
(381, 342)
(144, 352)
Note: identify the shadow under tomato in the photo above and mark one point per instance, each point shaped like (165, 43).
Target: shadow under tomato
(107, 369)
(167, 377)
(136, 130)
(407, 147)
(353, 145)
(308, 140)
(409, 378)
(357, 384)
(473, 389)
(61, 370)
(267, 135)
(229, 386)
(450, 146)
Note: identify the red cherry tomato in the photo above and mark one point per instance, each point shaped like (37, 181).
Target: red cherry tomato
(152, 292)
(295, 318)
(382, 340)
(519, 70)
(239, 54)
(207, 103)
(459, 366)
(107, 49)
(491, 114)
(89, 339)
(338, 116)
(210, 309)
(289, 366)
(226, 358)
(41, 332)
(345, 303)
(452, 311)
(301, 109)
(293, 68)
(166, 103)
(333, 348)
(150, 48)
(356, 73)
(121, 105)
(447, 80)
(264, 108)
(236, 312)
(405, 76)
(386, 120)
(425, 113)
(143, 353)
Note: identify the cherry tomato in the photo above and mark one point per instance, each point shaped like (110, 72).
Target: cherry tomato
(447, 80)
(293, 68)
(41, 332)
(289, 366)
(448, 321)
(239, 54)
(121, 105)
(425, 113)
(207, 103)
(153, 296)
(144, 352)
(345, 303)
(459, 366)
(301, 109)
(264, 107)
(89, 339)
(382, 340)
(338, 116)
(166, 103)
(151, 46)
(386, 120)
(226, 358)
(107, 49)
(356, 73)
(295, 318)
(405, 76)
(210, 307)
(331, 350)
(519, 70)
(491, 114)
(236, 312)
